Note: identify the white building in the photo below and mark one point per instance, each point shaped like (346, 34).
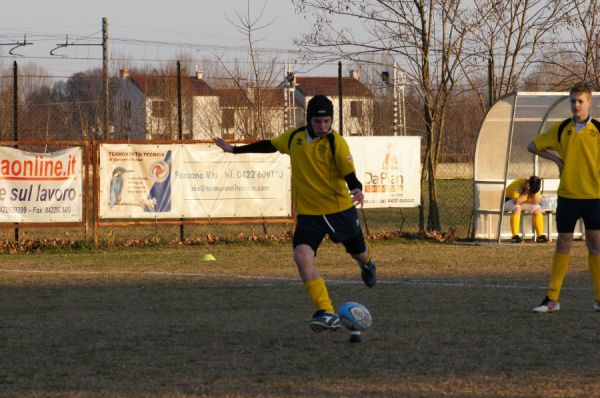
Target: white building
(145, 107)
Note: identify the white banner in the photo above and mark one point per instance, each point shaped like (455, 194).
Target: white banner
(191, 181)
(41, 187)
(389, 169)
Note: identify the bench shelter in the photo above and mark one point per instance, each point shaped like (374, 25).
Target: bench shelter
(501, 156)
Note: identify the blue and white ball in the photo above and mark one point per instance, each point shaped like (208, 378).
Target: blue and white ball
(355, 316)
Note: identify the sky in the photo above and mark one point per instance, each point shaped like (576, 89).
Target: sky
(147, 31)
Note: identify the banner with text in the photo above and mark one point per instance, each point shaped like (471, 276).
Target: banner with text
(191, 181)
(41, 187)
(389, 169)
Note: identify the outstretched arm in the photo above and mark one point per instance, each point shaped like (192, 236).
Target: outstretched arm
(263, 146)
(225, 146)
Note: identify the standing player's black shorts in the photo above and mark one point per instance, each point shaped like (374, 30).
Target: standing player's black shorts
(568, 211)
(341, 227)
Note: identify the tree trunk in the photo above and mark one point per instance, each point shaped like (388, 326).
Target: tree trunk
(428, 173)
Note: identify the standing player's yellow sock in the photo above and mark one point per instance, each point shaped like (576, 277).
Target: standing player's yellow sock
(317, 290)
(594, 263)
(560, 265)
(515, 220)
(538, 223)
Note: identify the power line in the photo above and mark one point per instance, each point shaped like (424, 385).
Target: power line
(199, 47)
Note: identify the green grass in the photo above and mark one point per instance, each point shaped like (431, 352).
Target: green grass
(449, 320)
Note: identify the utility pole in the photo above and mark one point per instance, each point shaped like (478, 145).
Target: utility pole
(491, 79)
(395, 97)
(397, 85)
(16, 45)
(401, 93)
(289, 114)
(15, 101)
(340, 100)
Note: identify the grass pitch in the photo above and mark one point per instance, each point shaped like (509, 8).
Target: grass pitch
(449, 320)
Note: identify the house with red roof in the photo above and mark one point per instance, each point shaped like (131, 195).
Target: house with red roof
(145, 107)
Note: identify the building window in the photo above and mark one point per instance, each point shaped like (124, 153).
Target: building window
(228, 118)
(355, 109)
(160, 108)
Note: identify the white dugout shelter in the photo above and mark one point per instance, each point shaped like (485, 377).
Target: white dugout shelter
(501, 156)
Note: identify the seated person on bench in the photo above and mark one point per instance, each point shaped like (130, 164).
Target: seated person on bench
(524, 194)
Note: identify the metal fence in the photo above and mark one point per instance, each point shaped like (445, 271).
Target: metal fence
(34, 106)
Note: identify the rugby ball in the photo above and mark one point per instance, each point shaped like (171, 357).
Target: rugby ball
(355, 316)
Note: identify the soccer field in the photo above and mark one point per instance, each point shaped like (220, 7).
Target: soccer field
(449, 320)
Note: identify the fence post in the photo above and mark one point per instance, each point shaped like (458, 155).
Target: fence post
(96, 193)
(179, 129)
(105, 76)
(16, 116)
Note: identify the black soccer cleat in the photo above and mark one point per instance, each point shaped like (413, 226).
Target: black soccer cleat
(367, 272)
(324, 321)
(542, 239)
(516, 239)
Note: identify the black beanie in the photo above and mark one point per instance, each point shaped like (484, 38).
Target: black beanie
(319, 106)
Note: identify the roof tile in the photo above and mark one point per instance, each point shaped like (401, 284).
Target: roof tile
(311, 86)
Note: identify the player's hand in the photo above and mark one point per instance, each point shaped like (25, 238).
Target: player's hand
(534, 198)
(357, 196)
(225, 146)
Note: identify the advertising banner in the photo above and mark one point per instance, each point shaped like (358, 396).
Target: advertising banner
(41, 187)
(212, 183)
(389, 169)
(191, 181)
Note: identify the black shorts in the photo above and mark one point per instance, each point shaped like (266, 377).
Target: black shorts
(568, 211)
(342, 227)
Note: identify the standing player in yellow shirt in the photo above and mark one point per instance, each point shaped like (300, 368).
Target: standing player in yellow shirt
(523, 194)
(574, 145)
(325, 189)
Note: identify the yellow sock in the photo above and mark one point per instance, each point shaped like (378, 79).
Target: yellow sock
(560, 265)
(538, 223)
(594, 263)
(317, 290)
(515, 220)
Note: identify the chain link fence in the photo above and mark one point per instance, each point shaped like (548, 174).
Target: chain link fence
(190, 106)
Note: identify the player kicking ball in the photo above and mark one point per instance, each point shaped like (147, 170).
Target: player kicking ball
(325, 191)
(574, 145)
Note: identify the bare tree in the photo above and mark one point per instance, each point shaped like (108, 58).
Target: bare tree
(579, 58)
(506, 40)
(6, 103)
(31, 79)
(426, 37)
(255, 83)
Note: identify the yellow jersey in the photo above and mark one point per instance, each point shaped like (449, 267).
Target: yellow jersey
(516, 188)
(580, 153)
(318, 183)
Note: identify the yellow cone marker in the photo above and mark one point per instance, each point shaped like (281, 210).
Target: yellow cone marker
(208, 257)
